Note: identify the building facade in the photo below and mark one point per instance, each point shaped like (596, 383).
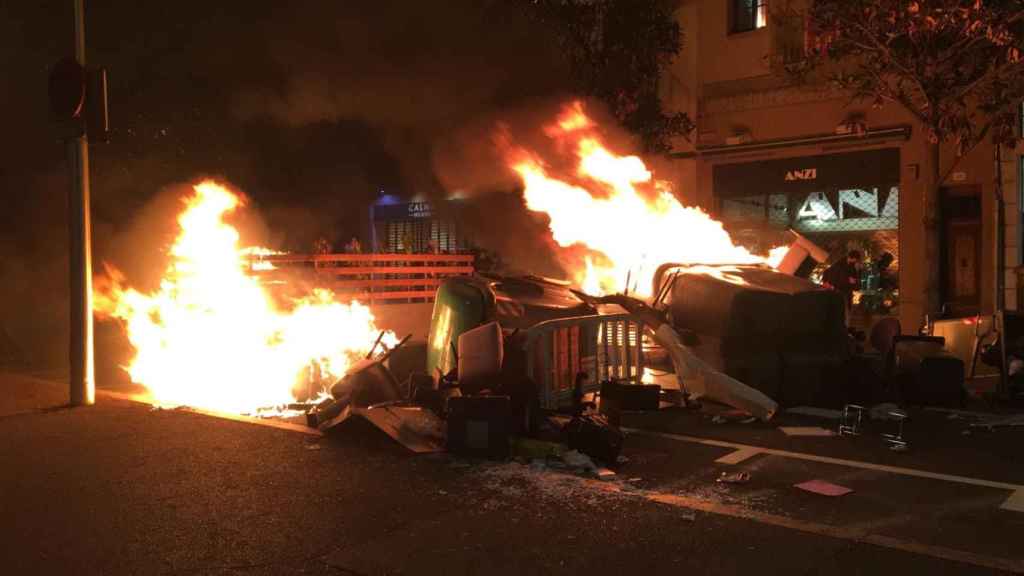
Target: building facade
(768, 156)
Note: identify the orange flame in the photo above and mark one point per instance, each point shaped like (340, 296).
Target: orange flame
(212, 337)
(613, 206)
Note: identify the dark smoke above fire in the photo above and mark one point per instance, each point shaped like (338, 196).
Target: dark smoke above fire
(308, 107)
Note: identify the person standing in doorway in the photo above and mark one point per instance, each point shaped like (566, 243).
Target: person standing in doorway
(843, 276)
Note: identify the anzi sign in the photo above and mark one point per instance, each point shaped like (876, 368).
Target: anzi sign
(805, 174)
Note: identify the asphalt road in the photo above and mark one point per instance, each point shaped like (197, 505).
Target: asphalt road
(120, 488)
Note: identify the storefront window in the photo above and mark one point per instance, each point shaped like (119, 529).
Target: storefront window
(420, 236)
(861, 219)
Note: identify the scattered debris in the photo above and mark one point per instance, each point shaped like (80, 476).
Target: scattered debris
(701, 380)
(895, 439)
(883, 411)
(823, 488)
(805, 431)
(478, 426)
(592, 435)
(815, 412)
(415, 428)
(1014, 421)
(530, 449)
(366, 384)
(415, 420)
(852, 417)
(734, 478)
(629, 397)
(576, 459)
(573, 490)
(966, 414)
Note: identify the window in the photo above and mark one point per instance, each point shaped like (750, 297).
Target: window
(749, 15)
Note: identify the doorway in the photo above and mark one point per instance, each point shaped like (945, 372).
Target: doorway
(960, 241)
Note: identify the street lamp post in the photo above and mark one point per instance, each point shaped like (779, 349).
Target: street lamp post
(82, 382)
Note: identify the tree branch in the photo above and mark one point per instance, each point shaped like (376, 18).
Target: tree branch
(964, 153)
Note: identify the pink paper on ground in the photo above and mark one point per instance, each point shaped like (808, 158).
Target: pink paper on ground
(824, 488)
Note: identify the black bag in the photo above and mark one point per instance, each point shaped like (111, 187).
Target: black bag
(939, 382)
(616, 395)
(592, 435)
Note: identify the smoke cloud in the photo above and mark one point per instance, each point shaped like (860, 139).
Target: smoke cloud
(309, 108)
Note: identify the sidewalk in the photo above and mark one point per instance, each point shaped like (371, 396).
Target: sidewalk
(24, 393)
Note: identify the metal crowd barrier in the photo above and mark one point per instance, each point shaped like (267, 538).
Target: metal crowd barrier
(603, 346)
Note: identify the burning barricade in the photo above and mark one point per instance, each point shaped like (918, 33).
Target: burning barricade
(656, 279)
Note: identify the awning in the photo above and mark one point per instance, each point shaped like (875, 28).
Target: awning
(851, 170)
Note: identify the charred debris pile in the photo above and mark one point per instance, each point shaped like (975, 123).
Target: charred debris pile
(522, 365)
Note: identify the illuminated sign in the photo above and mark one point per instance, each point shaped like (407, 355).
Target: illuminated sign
(404, 211)
(805, 174)
(419, 210)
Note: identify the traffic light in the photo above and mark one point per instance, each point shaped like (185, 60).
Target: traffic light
(67, 89)
(97, 123)
(78, 95)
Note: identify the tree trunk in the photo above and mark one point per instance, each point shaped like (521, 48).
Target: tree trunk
(932, 250)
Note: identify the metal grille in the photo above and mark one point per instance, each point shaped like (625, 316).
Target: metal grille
(603, 347)
(418, 236)
(866, 220)
(837, 211)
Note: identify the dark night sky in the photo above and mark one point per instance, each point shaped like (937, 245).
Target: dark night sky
(308, 107)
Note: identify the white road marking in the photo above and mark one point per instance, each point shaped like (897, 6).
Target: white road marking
(738, 456)
(837, 461)
(856, 534)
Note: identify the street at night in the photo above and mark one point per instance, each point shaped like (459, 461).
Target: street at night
(179, 493)
(513, 286)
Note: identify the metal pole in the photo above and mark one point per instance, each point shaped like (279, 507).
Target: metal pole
(83, 386)
(1003, 390)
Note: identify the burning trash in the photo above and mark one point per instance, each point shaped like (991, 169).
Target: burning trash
(500, 349)
(211, 336)
(629, 222)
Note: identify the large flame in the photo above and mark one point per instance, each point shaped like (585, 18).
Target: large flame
(629, 222)
(212, 336)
